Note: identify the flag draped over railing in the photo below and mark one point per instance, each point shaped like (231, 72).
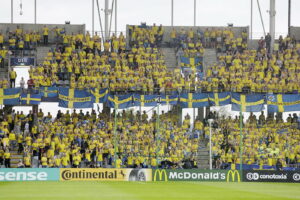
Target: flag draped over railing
(10, 96)
(31, 99)
(283, 102)
(219, 99)
(120, 101)
(99, 95)
(145, 100)
(247, 103)
(193, 100)
(73, 98)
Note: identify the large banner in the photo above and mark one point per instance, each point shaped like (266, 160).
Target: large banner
(196, 175)
(283, 102)
(105, 174)
(73, 98)
(271, 176)
(10, 96)
(29, 174)
(247, 103)
(26, 61)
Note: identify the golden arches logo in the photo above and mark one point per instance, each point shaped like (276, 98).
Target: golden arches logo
(160, 175)
(233, 174)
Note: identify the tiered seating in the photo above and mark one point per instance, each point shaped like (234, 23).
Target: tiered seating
(81, 63)
(266, 142)
(88, 140)
(255, 71)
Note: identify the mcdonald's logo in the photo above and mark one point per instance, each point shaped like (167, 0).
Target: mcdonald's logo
(233, 174)
(160, 175)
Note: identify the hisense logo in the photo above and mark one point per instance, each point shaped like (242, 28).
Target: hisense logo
(23, 176)
(197, 176)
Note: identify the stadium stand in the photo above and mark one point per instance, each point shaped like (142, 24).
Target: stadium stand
(136, 65)
(268, 143)
(86, 140)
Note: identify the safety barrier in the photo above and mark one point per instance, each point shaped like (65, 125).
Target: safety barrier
(161, 175)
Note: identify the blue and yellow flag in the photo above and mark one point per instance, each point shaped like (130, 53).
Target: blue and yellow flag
(31, 99)
(190, 62)
(193, 100)
(49, 91)
(99, 95)
(73, 98)
(120, 101)
(283, 102)
(219, 99)
(145, 100)
(10, 96)
(247, 103)
(169, 99)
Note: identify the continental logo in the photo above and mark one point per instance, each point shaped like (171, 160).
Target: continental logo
(233, 176)
(160, 175)
(92, 174)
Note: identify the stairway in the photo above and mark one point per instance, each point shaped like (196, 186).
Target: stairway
(42, 53)
(203, 155)
(4, 73)
(209, 58)
(170, 58)
(15, 157)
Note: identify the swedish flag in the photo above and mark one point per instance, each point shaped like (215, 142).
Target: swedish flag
(72, 98)
(219, 99)
(49, 91)
(283, 102)
(145, 100)
(193, 100)
(247, 103)
(99, 95)
(169, 99)
(31, 99)
(10, 96)
(190, 62)
(120, 101)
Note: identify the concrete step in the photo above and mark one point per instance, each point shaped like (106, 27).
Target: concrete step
(170, 57)
(209, 58)
(204, 166)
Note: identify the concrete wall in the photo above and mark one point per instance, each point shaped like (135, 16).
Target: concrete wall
(70, 28)
(237, 30)
(295, 31)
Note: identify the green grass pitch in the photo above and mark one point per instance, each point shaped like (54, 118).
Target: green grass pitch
(148, 191)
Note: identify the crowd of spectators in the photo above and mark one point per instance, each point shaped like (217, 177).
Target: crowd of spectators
(88, 140)
(267, 141)
(256, 70)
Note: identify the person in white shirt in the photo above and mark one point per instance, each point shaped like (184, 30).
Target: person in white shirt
(22, 84)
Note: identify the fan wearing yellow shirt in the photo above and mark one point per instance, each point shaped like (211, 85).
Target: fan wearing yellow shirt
(118, 162)
(45, 34)
(27, 160)
(44, 161)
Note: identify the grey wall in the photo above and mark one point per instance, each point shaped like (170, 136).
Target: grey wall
(295, 31)
(70, 28)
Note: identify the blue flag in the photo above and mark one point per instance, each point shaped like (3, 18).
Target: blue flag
(49, 91)
(120, 101)
(193, 100)
(191, 62)
(73, 98)
(145, 100)
(169, 99)
(219, 99)
(247, 103)
(31, 99)
(283, 102)
(10, 96)
(99, 95)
